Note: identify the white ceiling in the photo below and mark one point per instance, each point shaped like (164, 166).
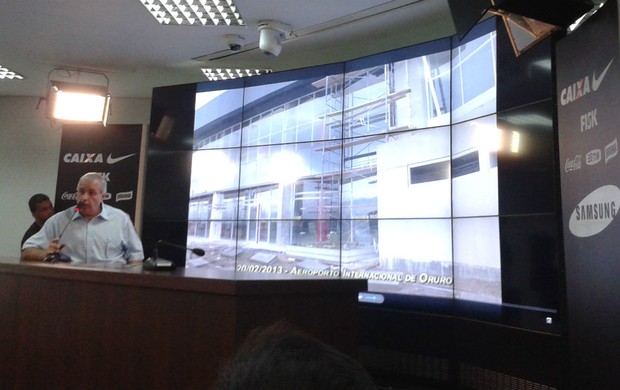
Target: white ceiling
(123, 40)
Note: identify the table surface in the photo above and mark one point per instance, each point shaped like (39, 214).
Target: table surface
(185, 279)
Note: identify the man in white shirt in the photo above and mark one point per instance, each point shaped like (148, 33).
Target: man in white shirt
(91, 233)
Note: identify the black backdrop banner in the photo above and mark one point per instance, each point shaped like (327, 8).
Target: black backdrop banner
(113, 151)
(588, 92)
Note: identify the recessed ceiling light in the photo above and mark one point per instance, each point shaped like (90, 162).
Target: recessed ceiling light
(228, 74)
(194, 12)
(6, 73)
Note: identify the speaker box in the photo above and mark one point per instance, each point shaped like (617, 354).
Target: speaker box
(561, 13)
(466, 13)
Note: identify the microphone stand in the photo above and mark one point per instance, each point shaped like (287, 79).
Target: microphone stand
(57, 257)
(155, 264)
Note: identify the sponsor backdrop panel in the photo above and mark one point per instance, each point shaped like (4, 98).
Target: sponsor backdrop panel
(588, 91)
(113, 151)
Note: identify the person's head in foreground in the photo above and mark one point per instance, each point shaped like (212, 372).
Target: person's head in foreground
(282, 358)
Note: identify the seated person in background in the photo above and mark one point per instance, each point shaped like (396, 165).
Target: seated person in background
(281, 358)
(91, 233)
(41, 208)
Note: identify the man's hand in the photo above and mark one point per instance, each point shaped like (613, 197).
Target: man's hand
(37, 254)
(54, 247)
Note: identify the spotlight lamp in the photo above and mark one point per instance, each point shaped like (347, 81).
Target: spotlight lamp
(271, 35)
(80, 96)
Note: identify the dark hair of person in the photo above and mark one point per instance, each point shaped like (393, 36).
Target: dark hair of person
(280, 357)
(35, 200)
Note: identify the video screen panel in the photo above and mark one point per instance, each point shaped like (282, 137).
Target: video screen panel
(475, 145)
(361, 171)
(474, 78)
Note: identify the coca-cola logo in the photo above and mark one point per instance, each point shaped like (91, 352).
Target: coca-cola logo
(69, 196)
(573, 164)
(73, 196)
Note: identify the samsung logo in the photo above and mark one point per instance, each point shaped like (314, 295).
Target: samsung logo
(595, 212)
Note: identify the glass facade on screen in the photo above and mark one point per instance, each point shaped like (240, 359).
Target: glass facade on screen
(384, 171)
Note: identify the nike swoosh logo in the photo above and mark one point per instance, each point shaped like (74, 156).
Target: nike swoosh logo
(114, 160)
(596, 82)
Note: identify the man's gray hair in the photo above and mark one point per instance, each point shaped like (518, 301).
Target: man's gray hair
(92, 177)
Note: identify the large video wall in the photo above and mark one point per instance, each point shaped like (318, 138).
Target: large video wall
(428, 170)
(382, 168)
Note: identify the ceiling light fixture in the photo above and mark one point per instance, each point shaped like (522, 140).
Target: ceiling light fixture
(6, 73)
(229, 74)
(78, 96)
(194, 12)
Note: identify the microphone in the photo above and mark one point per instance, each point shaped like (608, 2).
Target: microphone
(56, 257)
(75, 211)
(155, 264)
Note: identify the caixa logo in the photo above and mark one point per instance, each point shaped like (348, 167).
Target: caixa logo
(93, 158)
(595, 212)
(83, 158)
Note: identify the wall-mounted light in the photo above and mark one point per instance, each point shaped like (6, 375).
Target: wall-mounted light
(72, 100)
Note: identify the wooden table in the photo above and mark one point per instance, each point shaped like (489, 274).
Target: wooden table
(65, 327)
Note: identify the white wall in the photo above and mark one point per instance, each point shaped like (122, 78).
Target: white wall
(29, 152)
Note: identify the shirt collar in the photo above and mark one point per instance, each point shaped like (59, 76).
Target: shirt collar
(105, 212)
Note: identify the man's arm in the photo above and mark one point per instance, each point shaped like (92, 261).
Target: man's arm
(33, 254)
(134, 252)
